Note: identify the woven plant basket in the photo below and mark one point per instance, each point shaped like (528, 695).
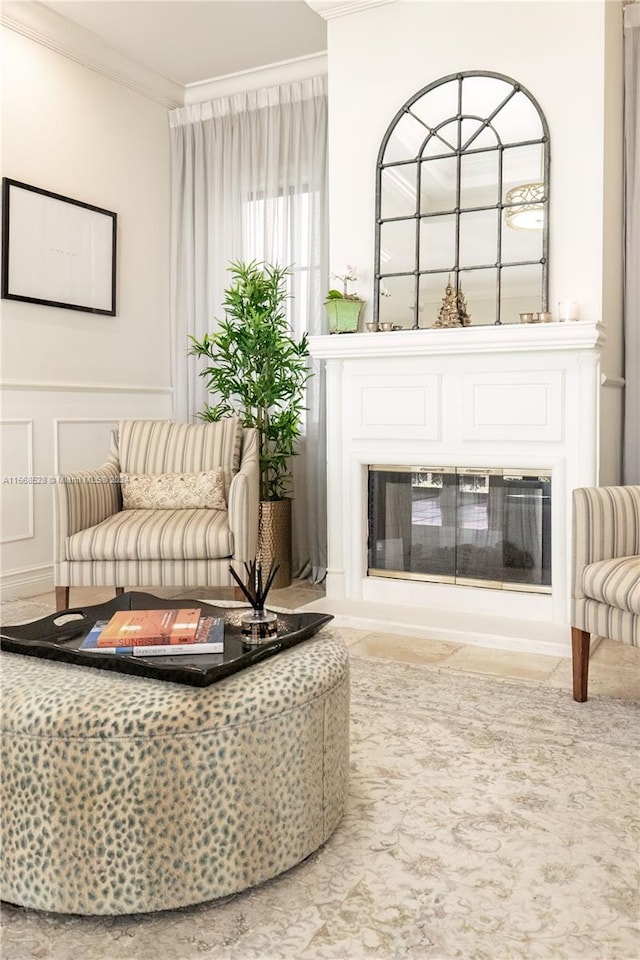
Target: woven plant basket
(274, 539)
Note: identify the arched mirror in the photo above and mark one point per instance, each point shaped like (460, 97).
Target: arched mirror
(462, 204)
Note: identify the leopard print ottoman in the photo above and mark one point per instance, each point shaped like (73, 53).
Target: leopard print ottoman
(124, 795)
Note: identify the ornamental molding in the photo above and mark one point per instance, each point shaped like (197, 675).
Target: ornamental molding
(331, 9)
(72, 41)
(507, 338)
(263, 77)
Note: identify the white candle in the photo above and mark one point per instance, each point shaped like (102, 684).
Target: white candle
(568, 310)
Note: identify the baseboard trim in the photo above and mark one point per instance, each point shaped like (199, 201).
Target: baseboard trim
(28, 582)
(518, 636)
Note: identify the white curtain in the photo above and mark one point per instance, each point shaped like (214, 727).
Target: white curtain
(631, 460)
(249, 182)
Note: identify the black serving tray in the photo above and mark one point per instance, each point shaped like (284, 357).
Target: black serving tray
(57, 637)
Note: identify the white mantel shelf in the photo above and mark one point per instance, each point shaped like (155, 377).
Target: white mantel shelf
(507, 338)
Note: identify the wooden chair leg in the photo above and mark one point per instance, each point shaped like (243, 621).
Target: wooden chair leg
(239, 595)
(580, 643)
(62, 598)
(119, 590)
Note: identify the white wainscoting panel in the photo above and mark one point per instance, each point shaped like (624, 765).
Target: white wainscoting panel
(525, 405)
(408, 406)
(82, 443)
(16, 443)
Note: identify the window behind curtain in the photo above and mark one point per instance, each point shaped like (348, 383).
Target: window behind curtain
(283, 224)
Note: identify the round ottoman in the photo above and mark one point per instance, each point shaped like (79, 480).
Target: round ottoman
(122, 794)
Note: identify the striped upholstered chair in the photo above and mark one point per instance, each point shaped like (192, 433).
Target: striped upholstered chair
(173, 505)
(605, 598)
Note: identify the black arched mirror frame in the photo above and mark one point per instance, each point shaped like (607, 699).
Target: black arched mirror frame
(449, 190)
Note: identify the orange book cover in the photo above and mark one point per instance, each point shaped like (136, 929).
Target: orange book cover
(137, 628)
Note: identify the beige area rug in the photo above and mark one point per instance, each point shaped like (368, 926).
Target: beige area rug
(486, 820)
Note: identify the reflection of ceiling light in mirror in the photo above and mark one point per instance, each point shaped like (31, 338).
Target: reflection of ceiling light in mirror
(528, 212)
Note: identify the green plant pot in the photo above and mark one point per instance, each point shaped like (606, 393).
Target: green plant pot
(343, 315)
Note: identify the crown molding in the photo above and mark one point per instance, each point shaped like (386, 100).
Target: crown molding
(330, 9)
(70, 40)
(286, 71)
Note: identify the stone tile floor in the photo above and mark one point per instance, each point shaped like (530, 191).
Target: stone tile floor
(614, 669)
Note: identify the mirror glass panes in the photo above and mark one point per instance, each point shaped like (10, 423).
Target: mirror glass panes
(438, 242)
(438, 180)
(478, 238)
(437, 105)
(430, 294)
(479, 288)
(399, 196)
(519, 291)
(397, 245)
(479, 179)
(398, 307)
(463, 197)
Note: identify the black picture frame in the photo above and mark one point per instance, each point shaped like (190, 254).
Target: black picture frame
(57, 251)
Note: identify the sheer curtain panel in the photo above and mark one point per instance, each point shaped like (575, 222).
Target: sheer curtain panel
(631, 457)
(249, 182)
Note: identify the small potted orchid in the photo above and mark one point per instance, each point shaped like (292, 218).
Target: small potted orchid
(343, 308)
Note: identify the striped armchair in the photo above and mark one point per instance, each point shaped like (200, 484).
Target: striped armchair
(180, 535)
(605, 596)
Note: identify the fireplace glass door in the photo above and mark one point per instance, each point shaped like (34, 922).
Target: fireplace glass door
(477, 527)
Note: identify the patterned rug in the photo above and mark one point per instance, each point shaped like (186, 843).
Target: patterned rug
(487, 820)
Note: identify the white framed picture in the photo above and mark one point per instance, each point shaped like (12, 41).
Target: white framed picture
(57, 251)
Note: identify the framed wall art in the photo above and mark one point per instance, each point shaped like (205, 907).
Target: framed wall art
(57, 251)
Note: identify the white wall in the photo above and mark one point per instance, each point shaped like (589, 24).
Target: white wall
(67, 376)
(568, 55)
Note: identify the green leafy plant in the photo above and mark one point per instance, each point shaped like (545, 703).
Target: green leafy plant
(258, 370)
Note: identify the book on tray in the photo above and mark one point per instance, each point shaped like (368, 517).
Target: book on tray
(147, 633)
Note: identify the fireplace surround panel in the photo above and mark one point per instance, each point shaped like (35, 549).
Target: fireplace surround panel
(519, 407)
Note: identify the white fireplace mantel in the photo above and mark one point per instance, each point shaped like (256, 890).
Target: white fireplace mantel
(506, 338)
(517, 396)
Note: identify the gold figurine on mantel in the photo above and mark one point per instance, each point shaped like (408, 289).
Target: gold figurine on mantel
(453, 312)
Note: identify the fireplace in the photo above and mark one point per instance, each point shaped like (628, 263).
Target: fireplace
(451, 458)
(472, 526)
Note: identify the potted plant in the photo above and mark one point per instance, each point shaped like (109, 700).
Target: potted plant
(343, 308)
(258, 372)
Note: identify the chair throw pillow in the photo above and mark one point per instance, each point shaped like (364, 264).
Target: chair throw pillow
(174, 491)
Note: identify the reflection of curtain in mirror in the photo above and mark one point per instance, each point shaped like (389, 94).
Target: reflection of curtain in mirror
(397, 525)
(480, 529)
(433, 533)
(495, 511)
(447, 529)
(522, 548)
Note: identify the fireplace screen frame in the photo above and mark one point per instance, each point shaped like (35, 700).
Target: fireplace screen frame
(508, 483)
